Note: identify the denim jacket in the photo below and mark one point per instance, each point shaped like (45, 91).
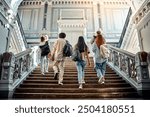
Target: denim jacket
(98, 58)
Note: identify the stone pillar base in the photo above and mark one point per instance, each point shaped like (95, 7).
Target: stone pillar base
(6, 95)
(145, 94)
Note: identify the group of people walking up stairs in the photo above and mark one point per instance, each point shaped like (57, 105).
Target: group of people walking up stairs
(58, 57)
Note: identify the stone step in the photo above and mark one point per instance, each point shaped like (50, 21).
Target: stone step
(114, 95)
(33, 80)
(70, 72)
(73, 90)
(72, 77)
(75, 85)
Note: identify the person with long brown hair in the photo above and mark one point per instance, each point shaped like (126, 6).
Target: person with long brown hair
(80, 64)
(100, 62)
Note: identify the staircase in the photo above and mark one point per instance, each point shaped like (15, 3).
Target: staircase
(38, 86)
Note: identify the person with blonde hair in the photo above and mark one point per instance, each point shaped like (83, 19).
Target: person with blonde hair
(44, 48)
(100, 62)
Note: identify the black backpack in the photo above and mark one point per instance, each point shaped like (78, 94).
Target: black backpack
(44, 49)
(76, 56)
(67, 50)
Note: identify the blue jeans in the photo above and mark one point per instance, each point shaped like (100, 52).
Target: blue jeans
(80, 68)
(100, 69)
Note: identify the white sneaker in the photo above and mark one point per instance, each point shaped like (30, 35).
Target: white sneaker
(42, 73)
(60, 83)
(80, 86)
(100, 80)
(83, 82)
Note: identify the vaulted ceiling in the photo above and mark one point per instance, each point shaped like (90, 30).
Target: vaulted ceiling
(15, 3)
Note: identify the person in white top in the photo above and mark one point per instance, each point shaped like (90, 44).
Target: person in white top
(58, 58)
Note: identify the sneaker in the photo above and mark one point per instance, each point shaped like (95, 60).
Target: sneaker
(103, 81)
(80, 86)
(42, 73)
(100, 80)
(83, 82)
(46, 71)
(60, 83)
(56, 76)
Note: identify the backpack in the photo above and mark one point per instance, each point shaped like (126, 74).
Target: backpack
(76, 56)
(67, 50)
(104, 51)
(44, 49)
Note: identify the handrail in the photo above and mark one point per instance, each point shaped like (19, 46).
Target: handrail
(125, 27)
(122, 51)
(21, 30)
(123, 63)
(23, 53)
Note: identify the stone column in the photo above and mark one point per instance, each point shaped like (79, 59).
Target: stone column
(41, 15)
(49, 17)
(6, 80)
(143, 79)
(95, 12)
(102, 16)
(5, 31)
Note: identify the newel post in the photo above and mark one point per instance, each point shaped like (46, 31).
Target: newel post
(6, 79)
(143, 79)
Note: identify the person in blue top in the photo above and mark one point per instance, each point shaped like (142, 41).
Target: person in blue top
(100, 62)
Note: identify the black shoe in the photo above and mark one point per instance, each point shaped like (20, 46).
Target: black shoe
(56, 76)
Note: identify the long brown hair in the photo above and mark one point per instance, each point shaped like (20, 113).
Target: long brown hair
(81, 44)
(99, 40)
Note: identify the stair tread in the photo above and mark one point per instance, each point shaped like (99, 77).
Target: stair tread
(82, 93)
(73, 90)
(75, 95)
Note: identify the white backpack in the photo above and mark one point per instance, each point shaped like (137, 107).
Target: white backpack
(104, 51)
